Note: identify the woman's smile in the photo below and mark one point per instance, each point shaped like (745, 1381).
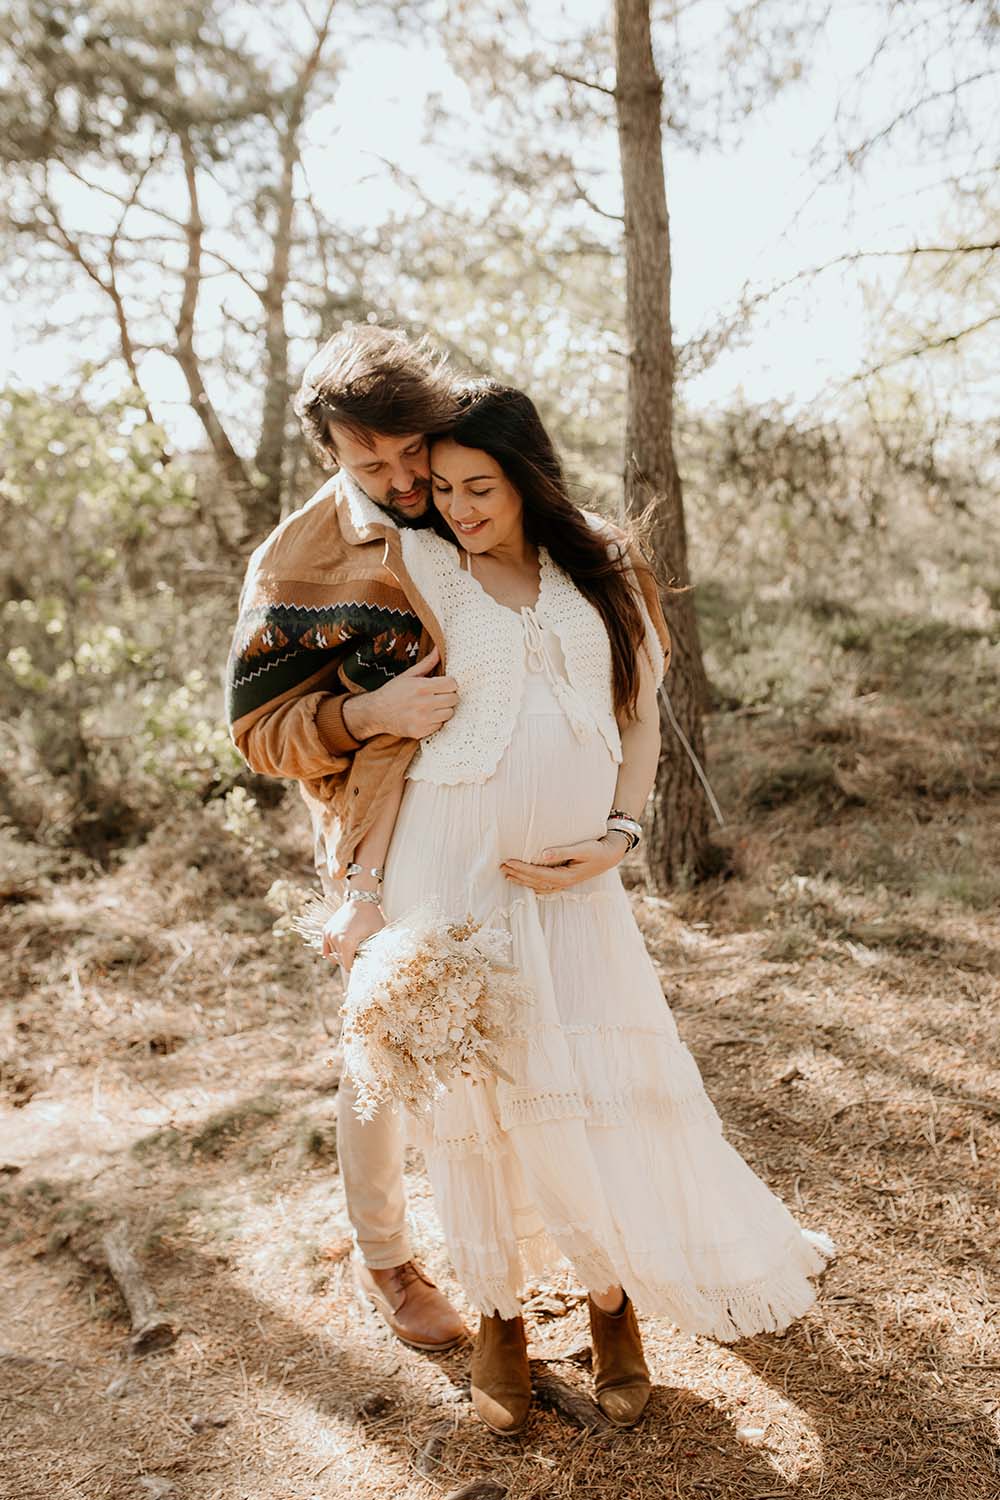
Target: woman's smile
(461, 475)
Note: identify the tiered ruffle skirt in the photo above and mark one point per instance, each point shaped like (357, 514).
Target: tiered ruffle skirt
(606, 1150)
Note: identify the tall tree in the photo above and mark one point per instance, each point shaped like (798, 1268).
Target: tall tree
(678, 834)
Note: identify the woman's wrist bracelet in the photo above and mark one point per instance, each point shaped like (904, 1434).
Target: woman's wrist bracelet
(371, 896)
(621, 822)
(356, 869)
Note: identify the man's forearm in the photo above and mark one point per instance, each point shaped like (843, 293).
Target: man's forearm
(332, 725)
(360, 715)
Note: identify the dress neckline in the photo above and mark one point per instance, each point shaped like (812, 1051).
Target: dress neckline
(467, 572)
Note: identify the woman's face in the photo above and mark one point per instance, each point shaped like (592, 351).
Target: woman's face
(475, 497)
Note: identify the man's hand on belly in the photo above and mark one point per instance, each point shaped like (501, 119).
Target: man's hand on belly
(568, 865)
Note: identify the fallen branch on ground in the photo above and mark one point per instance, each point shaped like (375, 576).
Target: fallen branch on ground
(150, 1329)
(555, 1395)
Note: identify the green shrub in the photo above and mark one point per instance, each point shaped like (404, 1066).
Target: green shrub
(110, 678)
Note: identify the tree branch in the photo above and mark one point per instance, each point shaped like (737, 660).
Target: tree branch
(271, 444)
(584, 83)
(117, 301)
(167, 218)
(714, 340)
(918, 350)
(856, 153)
(107, 284)
(185, 353)
(582, 193)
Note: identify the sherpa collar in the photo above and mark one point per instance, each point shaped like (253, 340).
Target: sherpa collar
(361, 520)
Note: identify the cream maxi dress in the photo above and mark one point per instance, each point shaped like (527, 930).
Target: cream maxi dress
(606, 1149)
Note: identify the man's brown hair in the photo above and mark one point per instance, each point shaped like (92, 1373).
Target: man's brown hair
(373, 380)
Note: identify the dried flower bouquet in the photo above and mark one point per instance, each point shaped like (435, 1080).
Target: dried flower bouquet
(428, 1000)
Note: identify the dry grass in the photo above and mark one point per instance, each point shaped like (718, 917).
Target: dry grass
(164, 1062)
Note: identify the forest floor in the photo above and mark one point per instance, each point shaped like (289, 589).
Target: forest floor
(167, 1066)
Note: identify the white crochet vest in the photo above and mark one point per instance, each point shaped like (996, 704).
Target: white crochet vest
(486, 649)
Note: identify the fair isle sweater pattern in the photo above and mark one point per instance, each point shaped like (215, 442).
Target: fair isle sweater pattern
(279, 645)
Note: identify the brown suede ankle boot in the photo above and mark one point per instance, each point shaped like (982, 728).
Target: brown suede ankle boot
(501, 1380)
(621, 1378)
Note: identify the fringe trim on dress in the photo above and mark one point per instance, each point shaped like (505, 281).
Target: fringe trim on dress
(766, 1305)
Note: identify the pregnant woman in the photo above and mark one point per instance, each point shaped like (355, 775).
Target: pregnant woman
(605, 1148)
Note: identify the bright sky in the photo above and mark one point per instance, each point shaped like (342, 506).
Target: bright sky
(739, 215)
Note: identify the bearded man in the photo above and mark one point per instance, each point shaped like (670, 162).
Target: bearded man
(332, 682)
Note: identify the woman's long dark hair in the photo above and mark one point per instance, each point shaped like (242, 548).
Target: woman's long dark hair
(504, 423)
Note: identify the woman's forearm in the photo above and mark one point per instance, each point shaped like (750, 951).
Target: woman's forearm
(640, 747)
(355, 921)
(373, 848)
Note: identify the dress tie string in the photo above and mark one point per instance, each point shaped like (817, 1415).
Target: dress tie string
(580, 718)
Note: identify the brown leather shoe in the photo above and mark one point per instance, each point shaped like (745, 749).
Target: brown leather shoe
(501, 1379)
(621, 1377)
(412, 1306)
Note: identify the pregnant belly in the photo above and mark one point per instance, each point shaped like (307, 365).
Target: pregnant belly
(551, 788)
(450, 840)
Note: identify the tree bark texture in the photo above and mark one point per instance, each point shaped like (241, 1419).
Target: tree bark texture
(677, 842)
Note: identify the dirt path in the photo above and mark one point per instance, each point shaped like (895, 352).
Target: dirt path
(167, 1067)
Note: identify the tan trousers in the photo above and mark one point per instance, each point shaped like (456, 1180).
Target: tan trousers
(371, 1157)
(371, 1164)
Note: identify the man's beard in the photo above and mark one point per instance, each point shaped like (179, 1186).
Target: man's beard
(407, 518)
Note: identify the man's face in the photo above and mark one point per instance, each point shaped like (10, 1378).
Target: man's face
(392, 471)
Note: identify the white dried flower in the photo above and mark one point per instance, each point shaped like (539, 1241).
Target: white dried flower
(428, 1000)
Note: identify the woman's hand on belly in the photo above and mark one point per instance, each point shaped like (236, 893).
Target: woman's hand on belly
(568, 865)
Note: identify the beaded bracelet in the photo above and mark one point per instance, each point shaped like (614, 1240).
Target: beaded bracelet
(372, 896)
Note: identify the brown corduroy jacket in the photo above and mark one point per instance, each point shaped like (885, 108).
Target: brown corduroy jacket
(327, 609)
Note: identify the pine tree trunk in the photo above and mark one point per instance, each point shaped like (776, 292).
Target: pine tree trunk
(677, 842)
